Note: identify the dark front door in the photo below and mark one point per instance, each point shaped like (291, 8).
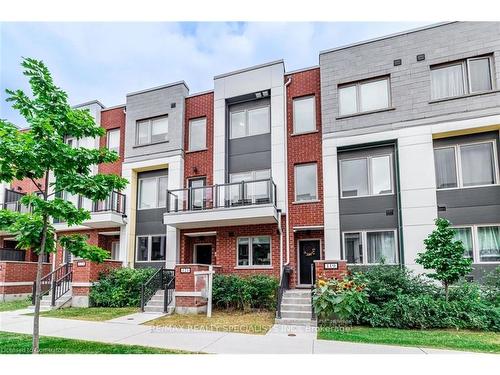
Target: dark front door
(203, 254)
(309, 251)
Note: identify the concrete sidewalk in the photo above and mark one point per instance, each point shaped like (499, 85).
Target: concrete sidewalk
(279, 340)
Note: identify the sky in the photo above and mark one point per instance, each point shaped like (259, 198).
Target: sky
(105, 61)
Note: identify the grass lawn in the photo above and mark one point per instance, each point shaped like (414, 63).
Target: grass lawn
(15, 343)
(90, 313)
(487, 342)
(222, 321)
(14, 305)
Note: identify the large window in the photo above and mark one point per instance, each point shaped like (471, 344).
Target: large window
(461, 78)
(151, 248)
(466, 165)
(249, 122)
(366, 176)
(254, 251)
(304, 115)
(364, 96)
(152, 130)
(370, 247)
(113, 140)
(197, 134)
(481, 242)
(306, 184)
(153, 192)
(257, 190)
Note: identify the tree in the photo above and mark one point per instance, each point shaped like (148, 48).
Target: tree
(41, 154)
(444, 255)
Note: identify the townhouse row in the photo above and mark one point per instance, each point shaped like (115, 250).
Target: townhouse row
(350, 160)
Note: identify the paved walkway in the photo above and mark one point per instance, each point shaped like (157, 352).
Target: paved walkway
(127, 330)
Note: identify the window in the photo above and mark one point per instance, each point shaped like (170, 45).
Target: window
(255, 192)
(364, 96)
(153, 192)
(151, 248)
(254, 251)
(461, 78)
(249, 122)
(465, 235)
(366, 176)
(115, 250)
(380, 246)
(152, 130)
(481, 242)
(197, 194)
(306, 184)
(304, 115)
(113, 140)
(466, 165)
(197, 134)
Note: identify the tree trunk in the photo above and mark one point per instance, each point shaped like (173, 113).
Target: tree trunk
(446, 291)
(38, 291)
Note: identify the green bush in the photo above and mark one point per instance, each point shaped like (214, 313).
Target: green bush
(235, 292)
(120, 287)
(491, 286)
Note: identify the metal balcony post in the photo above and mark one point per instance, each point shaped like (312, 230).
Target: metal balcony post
(54, 282)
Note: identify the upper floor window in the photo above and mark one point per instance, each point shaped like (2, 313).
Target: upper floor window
(466, 165)
(306, 186)
(152, 130)
(461, 77)
(249, 122)
(113, 140)
(197, 134)
(153, 192)
(364, 96)
(366, 176)
(304, 115)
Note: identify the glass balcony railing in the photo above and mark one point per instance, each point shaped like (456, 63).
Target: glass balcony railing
(237, 194)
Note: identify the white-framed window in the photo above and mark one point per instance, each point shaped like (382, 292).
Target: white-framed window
(115, 250)
(198, 134)
(71, 142)
(304, 115)
(370, 246)
(367, 176)
(461, 78)
(152, 192)
(466, 165)
(249, 122)
(253, 251)
(113, 140)
(151, 130)
(151, 248)
(364, 96)
(481, 242)
(306, 182)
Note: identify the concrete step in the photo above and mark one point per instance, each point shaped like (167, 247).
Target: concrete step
(296, 307)
(295, 301)
(297, 293)
(156, 299)
(295, 314)
(296, 322)
(155, 303)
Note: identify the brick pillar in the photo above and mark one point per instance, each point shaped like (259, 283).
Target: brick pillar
(187, 297)
(85, 273)
(330, 269)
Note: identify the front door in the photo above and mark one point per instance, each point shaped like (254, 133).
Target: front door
(309, 251)
(203, 254)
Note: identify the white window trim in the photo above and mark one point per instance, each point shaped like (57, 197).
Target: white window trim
(358, 95)
(466, 84)
(476, 259)
(298, 99)
(150, 245)
(115, 130)
(190, 132)
(157, 178)
(458, 164)
(250, 253)
(149, 121)
(364, 247)
(369, 172)
(315, 199)
(247, 129)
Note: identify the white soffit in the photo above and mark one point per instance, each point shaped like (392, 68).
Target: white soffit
(200, 234)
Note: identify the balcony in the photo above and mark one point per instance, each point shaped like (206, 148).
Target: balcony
(239, 203)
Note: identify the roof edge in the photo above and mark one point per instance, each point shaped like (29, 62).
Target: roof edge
(254, 67)
(159, 88)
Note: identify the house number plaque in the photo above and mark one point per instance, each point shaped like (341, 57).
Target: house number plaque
(185, 270)
(331, 266)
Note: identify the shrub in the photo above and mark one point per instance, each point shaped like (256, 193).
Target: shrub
(120, 287)
(257, 291)
(491, 286)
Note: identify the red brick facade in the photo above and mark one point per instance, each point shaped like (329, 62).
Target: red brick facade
(86, 272)
(199, 163)
(331, 269)
(21, 273)
(113, 118)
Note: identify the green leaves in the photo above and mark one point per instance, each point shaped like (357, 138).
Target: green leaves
(78, 246)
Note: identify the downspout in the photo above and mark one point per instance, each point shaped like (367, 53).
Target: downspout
(287, 220)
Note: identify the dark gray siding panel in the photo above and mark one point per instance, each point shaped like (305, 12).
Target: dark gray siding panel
(150, 222)
(479, 205)
(149, 264)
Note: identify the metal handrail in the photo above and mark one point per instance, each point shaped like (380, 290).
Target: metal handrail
(58, 282)
(284, 285)
(168, 295)
(313, 284)
(161, 279)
